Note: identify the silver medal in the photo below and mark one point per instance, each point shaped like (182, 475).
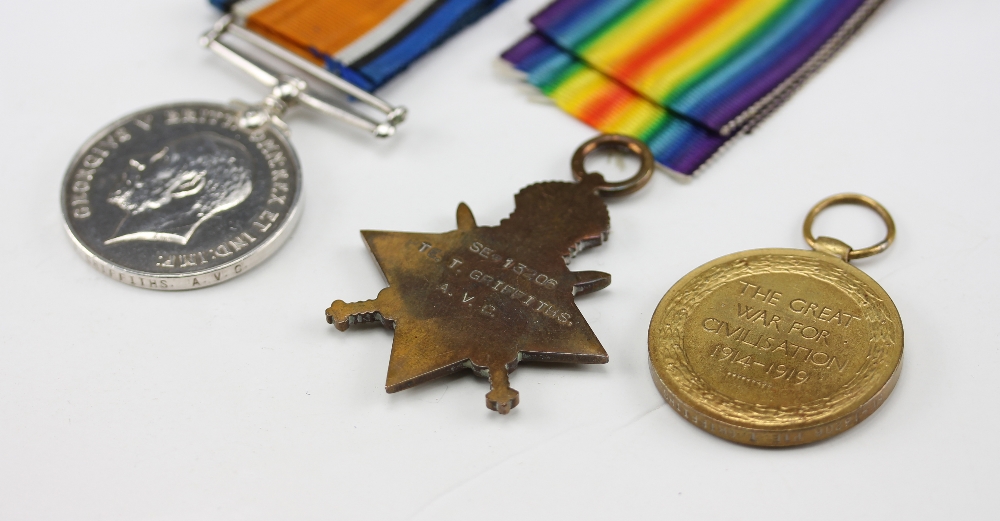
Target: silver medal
(188, 195)
(181, 196)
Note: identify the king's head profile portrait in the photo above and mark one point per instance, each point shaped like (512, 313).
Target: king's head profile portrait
(169, 192)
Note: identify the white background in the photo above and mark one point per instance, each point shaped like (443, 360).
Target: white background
(240, 402)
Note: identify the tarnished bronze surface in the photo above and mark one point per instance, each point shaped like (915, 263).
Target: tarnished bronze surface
(488, 297)
(778, 347)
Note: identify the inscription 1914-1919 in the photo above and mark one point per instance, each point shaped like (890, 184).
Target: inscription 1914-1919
(757, 343)
(779, 346)
(758, 332)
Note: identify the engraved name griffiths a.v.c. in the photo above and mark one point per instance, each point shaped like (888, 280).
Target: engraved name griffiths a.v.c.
(181, 196)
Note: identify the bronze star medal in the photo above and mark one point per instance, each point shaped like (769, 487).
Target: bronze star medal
(488, 297)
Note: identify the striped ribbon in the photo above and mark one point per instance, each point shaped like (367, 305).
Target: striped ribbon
(366, 42)
(683, 75)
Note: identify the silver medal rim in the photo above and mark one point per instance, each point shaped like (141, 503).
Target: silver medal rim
(235, 267)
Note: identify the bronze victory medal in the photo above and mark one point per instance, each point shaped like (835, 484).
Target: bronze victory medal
(778, 347)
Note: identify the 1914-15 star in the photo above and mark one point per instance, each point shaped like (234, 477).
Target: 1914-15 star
(486, 298)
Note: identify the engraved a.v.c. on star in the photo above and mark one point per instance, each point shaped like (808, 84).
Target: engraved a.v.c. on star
(487, 298)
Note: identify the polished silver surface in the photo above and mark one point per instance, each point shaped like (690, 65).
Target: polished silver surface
(183, 196)
(348, 114)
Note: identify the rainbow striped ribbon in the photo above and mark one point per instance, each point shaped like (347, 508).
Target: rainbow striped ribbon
(366, 42)
(685, 76)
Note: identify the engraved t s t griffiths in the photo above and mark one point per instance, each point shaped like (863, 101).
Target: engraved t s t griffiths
(779, 347)
(488, 297)
(188, 195)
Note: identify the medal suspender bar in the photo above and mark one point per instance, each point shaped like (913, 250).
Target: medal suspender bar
(293, 89)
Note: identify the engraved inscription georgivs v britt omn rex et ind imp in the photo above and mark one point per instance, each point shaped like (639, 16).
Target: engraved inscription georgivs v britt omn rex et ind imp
(181, 196)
